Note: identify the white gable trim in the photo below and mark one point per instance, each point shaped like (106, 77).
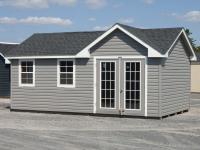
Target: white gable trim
(151, 51)
(193, 58)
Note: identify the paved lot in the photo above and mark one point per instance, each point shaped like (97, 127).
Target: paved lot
(36, 131)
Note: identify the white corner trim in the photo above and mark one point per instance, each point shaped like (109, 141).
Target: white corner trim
(6, 60)
(19, 73)
(95, 84)
(193, 58)
(58, 74)
(151, 51)
(146, 87)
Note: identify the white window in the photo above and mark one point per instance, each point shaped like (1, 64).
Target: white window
(66, 73)
(26, 73)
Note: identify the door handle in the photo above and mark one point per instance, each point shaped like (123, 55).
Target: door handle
(121, 91)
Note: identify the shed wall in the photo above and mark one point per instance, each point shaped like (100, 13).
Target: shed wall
(175, 81)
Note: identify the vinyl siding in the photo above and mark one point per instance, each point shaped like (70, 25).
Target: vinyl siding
(118, 44)
(153, 87)
(175, 90)
(4, 78)
(46, 96)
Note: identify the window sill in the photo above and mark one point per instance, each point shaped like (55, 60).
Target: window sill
(26, 85)
(66, 86)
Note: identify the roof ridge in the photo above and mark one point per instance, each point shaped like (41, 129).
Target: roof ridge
(157, 28)
(167, 28)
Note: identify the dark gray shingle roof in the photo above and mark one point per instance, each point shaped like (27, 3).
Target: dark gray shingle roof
(160, 39)
(51, 44)
(70, 43)
(4, 47)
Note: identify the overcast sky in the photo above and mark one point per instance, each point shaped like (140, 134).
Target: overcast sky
(21, 18)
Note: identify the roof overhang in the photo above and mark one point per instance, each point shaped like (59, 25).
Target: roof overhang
(193, 57)
(6, 59)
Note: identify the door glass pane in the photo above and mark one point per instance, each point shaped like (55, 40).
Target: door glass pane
(103, 94)
(128, 76)
(107, 66)
(107, 75)
(112, 103)
(128, 66)
(112, 75)
(107, 84)
(132, 87)
(103, 75)
(103, 66)
(102, 102)
(112, 66)
(128, 85)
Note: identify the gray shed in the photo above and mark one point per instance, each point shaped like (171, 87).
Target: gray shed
(121, 71)
(5, 70)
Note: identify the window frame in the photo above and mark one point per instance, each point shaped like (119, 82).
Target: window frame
(136, 61)
(20, 73)
(115, 102)
(58, 74)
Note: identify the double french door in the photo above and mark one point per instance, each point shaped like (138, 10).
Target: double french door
(120, 86)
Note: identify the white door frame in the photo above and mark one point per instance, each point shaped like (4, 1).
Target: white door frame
(116, 57)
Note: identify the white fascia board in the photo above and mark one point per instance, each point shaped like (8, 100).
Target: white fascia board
(151, 51)
(11, 43)
(6, 60)
(47, 57)
(193, 58)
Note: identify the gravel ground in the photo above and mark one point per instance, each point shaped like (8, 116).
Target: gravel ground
(31, 131)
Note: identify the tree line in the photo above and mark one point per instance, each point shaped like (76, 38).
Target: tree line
(192, 40)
